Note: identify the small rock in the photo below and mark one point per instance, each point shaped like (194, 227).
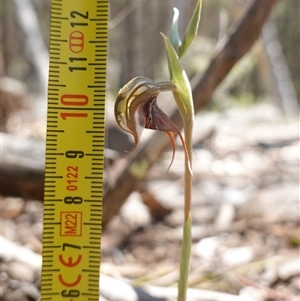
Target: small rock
(225, 217)
(134, 212)
(14, 252)
(235, 196)
(4, 279)
(174, 219)
(237, 256)
(12, 207)
(9, 229)
(13, 292)
(168, 193)
(206, 248)
(203, 214)
(269, 276)
(31, 291)
(115, 289)
(289, 269)
(250, 293)
(295, 283)
(21, 271)
(276, 203)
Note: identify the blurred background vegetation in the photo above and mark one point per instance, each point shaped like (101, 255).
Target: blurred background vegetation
(136, 47)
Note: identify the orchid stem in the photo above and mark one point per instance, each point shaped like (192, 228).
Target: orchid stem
(167, 86)
(187, 240)
(188, 129)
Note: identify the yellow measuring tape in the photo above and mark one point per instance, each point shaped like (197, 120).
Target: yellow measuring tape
(74, 150)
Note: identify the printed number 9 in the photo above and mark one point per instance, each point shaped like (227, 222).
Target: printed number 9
(74, 154)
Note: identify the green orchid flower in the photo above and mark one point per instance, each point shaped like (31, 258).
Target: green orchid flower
(136, 108)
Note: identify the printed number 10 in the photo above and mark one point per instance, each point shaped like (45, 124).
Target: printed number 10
(73, 100)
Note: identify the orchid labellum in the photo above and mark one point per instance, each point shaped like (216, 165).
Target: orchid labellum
(136, 108)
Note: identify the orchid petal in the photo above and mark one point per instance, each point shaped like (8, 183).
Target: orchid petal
(174, 34)
(191, 30)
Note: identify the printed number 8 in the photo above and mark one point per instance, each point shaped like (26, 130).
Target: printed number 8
(73, 200)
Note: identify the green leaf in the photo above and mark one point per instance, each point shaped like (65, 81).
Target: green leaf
(185, 259)
(191, 31)
(183, 95)
(174, 34)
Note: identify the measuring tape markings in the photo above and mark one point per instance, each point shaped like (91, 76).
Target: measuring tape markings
(74, 150)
